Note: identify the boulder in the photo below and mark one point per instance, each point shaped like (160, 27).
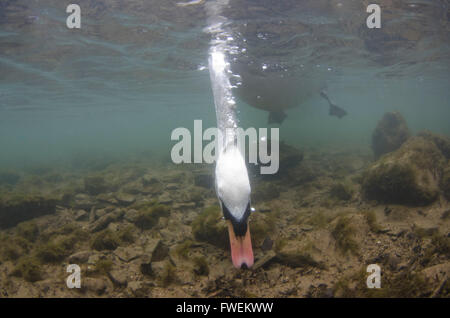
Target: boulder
(445, 182)
(18, 208)
(390, 133)
(408, 176)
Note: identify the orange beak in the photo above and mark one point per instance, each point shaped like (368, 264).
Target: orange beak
(241, 247)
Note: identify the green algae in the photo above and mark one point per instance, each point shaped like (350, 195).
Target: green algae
(201, 266)
(209, 227)
(343, 233)
(105, 240)
(29, 269)
(149, 215)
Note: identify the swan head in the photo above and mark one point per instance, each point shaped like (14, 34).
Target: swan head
(233, 190)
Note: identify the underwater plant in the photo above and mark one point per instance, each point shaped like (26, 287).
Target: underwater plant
(201, 266)
(343, 233)
(207, 227)
(149, 215)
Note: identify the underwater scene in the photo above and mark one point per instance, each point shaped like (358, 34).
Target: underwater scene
(112, 183)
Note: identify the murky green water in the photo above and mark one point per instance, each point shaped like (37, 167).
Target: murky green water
(137, 70)
(86, 117)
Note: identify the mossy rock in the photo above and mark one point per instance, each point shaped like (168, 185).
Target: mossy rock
(28, 230)
(209, 227)
(442, 142)
(201, 266)
(149, 215)
(445, 182)
(18, 208)
(390, 133)
(56, 250)
(341, 191)
(29, 269)
(408, 176)
(95, 185)
(105, 240)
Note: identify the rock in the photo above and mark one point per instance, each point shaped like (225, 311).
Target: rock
(267, 244)
(95, 185)
(390, 133)
(93, 259)
(203, 180)
(172, 186)
(410, 175)
(138, 289)
(445, 182)
(184, 206)
(128, 253)
(16, 209)
(83, 201)
(437, 277)
(341, 191)
(131, 215)
(264, 260)
(154, 251)
(165, 198)
(149, 180)
(96, 285)
(80, 257)
(119, 278)
(125, 198)
(107, 198)
(81, 215)
(104, 221)
(442, 142)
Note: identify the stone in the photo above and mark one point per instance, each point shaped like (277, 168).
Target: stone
(81, 215)
(107, 198)
(94, 185)
(80, 257)
(441, 141)
(149, 180)
(165, 198)
(128, 253)
(172, 186)
(131, 215)
(83, 201)
(119, 278)
(125, 198)
(264, 260)
(445, 182)
(390, 133)
(103, 222)
(409, 175)
(96, 285)
(18, 209)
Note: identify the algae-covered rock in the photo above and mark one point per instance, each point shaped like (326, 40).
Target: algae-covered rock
(209, 227)
(442, 142)
(445, 182)
(18, 208)
(29, 269)
(409, 175)
(95, 185)
(341, 191)
(390, 133)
